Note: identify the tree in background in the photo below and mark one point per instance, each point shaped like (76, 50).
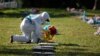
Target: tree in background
(88, 4)
(95, 5)
(19, 3)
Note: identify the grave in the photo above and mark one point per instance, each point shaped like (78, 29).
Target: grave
(44, 49)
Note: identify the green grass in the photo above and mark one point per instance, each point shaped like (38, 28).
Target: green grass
(76, 38)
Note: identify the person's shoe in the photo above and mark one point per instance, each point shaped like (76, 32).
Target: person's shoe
(39, 40)
(11, 41)
(29, 41)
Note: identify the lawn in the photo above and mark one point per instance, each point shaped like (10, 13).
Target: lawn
(76, 37)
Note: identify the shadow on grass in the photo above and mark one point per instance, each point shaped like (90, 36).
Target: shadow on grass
(5, 50)
(15, 15)
(16, 52)
(68, 44)
(77, 54)
(75, 50)
(58, 15)
(67, 51)
(23, 14)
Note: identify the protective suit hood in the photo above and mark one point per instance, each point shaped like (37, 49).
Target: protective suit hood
(45, 16)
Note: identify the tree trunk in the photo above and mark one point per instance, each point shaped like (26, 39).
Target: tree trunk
(95, 4)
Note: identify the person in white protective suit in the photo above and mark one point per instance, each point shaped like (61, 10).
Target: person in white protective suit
(31, 28)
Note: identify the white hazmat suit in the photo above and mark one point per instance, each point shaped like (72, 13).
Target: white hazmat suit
(31, 27)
